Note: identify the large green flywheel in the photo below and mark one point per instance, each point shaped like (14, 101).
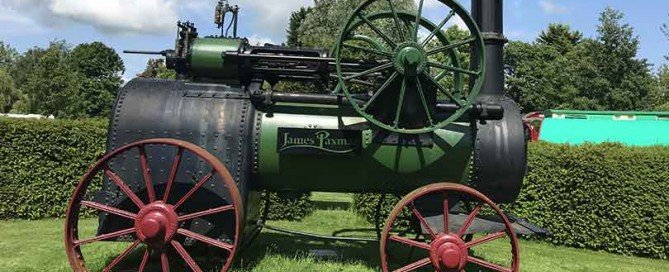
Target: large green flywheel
(416, 66)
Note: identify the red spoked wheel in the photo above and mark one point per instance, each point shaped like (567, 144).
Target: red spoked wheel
(157, 234)
(441, 244)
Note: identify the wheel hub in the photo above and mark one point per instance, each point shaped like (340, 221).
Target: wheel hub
(156, 224)
(448, 253)
(410, 59)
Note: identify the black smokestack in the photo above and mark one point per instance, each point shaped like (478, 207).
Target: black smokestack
(489, 15)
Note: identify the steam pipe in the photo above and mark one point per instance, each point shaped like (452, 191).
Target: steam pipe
(489, 15)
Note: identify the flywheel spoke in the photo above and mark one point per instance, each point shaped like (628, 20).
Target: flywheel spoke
(109, 209)
(418, 18)
(383, 88)
(123, 186)
(173, 173)
(378, 31)
(487, 264)
(192, 191)
(400, 103)
(146, 173)
(187, 258)
(414, 266)
(118, 259)
(206, 239)
(443, 90)
(370, 71)
(424, 101)
(107, 236)
(450, 46)
(485, 239)
(396, 18)
(369, 50)
(409, 242)
(438, 28)
(207, 212)
(453, 69)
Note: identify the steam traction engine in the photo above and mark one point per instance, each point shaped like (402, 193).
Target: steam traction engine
(397, 107)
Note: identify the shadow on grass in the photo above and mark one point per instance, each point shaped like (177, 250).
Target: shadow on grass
(289, 246)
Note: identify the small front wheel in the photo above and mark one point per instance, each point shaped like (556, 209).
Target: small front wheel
(440, 243)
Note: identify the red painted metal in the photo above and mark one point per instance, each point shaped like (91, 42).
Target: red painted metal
(157, 223)
(448, 250)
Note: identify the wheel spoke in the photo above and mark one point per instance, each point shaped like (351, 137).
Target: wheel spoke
(383, 88)
(438, 28)
(124, 187)
(378, 31)
(194, 189)
(173, 173)
(207, 212)
(118, 259)
(453, 69)
(164, 262)
(447, 227)
(487, 264)
(397, 20)
(370, 71)
(469, 220)
(443, 90)
(418, 18)
(206, 239)
(369, 50)
(400, 103)
(488, 238)
(423, 221)
(424, 101)
(109, 209)
(414, 266)
(105, 236)
(187, 258)
(409, 242)
(450, 46)
(145, 260)
(146, 172)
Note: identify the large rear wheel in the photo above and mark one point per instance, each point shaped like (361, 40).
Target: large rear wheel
(157, 232)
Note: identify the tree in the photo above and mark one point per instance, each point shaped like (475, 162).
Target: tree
(561, 70)
(47, 81)
(561, 37)
(296, 19)
(8, 55)
(102, 68)
(323, 23)
(665, 30)
(8, 93)
(659, 98)
(627, 79)
(156, 68)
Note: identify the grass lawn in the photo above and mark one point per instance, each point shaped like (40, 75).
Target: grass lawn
(37, 246)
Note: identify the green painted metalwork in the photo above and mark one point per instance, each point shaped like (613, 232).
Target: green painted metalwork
(408, 49)
(377, 168)
(208, 57)
(629, 128)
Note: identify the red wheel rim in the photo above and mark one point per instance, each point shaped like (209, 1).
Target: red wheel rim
(446, 249)
(158, 223)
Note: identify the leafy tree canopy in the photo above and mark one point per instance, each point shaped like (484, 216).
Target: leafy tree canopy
(156, 68)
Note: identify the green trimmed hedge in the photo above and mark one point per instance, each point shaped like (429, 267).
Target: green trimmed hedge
(41, 162)
(292, 206)
(604, 197)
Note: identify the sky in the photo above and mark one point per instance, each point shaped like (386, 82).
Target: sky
(151, 24)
